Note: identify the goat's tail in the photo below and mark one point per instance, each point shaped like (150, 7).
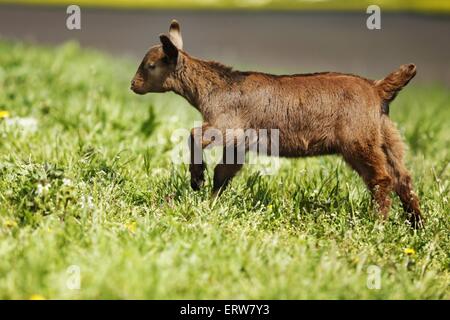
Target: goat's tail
(389, 87)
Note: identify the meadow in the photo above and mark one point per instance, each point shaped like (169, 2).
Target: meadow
(87, 187)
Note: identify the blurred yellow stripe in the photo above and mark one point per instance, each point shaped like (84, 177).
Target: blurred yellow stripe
(442, 6)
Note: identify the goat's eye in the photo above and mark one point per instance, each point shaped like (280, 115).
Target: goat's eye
(150, 66)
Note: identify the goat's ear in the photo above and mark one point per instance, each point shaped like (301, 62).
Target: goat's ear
(175, 34)
(169, 47)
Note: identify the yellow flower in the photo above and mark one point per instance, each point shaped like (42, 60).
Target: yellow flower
(409, 251)
(269, 207)
(8, 223)
(4, 114)
(37, 297)
(131, 226)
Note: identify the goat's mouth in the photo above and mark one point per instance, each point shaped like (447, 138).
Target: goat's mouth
(137, 90)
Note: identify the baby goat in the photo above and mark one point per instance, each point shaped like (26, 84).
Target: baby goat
(316, 114)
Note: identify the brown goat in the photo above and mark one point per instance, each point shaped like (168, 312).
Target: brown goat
(316, 114)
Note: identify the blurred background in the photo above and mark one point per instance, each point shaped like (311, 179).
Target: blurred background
(279, 36)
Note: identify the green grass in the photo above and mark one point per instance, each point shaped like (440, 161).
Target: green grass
(130, 222)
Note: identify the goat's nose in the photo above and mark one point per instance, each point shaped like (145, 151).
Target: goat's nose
(132, 82)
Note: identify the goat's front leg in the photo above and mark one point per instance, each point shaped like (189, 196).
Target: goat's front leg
(196, 166)
(226, 169)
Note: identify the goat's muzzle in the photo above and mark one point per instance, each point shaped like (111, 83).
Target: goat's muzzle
(135, 87)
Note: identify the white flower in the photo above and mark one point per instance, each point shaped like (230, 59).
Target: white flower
(28, 124)
(42, 189)
(67, 182)
(86, 202)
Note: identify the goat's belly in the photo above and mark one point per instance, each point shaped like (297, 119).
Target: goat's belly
(290, 144)
(299, 151)
(300, 136)
(301, 146)
(293, 148)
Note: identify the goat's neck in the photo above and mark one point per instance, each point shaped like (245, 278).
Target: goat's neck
(196, 81)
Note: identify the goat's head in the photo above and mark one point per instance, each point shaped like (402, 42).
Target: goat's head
(159, 63)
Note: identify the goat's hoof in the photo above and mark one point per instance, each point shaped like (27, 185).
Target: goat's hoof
(416, 221)
(196, 184)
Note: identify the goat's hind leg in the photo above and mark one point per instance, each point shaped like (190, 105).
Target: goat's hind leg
(370, 164)
(393, 149)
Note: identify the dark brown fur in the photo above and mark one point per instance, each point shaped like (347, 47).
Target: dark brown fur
(316, 114)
